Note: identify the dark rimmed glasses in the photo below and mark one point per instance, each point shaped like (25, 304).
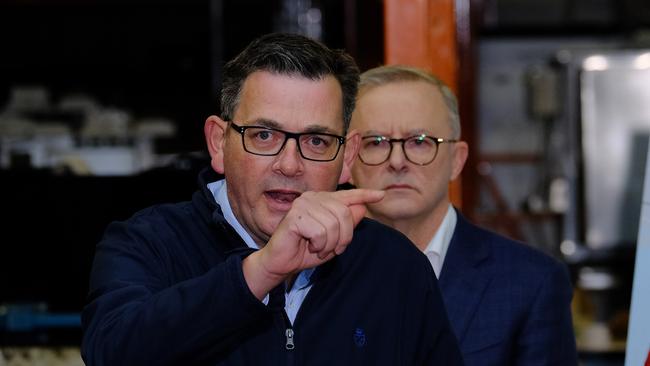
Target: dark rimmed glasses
(266, 141)
(419, 149)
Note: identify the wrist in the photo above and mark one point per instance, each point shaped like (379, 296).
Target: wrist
(259, 280)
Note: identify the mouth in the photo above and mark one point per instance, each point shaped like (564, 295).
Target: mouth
(398, 186)
(281, 199)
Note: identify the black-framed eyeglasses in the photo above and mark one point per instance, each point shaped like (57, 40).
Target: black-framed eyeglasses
(419, 149)
(266, 141)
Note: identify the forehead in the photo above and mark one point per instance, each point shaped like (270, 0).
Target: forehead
(292, 102)
(401, 108)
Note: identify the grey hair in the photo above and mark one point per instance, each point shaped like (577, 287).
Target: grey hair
(383, 75)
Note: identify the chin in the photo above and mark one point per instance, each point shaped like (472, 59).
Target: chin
(382, 209)
(395, 209)
(271, 223)
(400, 198)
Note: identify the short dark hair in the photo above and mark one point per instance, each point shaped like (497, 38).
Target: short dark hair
(290, 54)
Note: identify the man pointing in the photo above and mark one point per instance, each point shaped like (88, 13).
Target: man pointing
(269, 266)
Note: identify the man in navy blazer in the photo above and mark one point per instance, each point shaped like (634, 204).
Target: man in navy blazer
(509, 304)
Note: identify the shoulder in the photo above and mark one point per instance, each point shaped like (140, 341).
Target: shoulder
(156, 226)
(384, 246)
(506, 254)
(163, 211)
(383, 238)
(159, 216)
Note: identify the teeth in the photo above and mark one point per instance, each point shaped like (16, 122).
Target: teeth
(283, 197)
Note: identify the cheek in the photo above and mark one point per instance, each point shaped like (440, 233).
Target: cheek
(243, 174)
(437, 183)
(321, 179)
(237, 161)
(365, 176)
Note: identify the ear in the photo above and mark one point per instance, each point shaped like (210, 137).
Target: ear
(460, 149)
(352, 144)
(215, 135)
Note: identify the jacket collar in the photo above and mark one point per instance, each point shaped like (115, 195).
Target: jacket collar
(210, 209)
(463, 279)
(211, 212)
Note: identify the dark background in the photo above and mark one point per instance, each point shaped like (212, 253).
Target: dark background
(151, 59)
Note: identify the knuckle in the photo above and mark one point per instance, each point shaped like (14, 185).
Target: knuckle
(322, 232)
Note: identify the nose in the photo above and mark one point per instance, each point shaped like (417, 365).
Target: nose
(289, 162)
(397, 157)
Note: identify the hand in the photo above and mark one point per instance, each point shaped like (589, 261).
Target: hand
(318, 227)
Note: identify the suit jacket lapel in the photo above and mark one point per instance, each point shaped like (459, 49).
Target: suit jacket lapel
(463, 278)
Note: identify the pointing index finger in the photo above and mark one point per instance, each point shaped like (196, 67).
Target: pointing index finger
(359, 196)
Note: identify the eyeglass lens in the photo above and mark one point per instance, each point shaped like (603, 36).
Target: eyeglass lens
(312, 146)
(419, 150)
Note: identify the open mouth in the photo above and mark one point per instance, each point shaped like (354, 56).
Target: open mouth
(285, 197)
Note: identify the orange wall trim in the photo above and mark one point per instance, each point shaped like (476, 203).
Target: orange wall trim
(422, 33)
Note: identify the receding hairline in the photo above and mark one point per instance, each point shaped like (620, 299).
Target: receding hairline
(393, 74)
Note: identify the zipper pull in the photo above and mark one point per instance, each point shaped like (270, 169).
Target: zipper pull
(289, 334)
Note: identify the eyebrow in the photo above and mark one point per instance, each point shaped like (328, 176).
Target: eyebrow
(312, 128)
(415, 132)
(268, 123)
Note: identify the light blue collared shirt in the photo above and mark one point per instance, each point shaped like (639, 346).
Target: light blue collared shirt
(296, 295)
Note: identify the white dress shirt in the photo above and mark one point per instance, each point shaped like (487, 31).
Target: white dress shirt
(436, 250)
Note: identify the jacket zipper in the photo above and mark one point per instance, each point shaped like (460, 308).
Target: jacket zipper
(289, 337)
(289, 334)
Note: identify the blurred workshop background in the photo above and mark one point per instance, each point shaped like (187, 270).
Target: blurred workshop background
(102, 105)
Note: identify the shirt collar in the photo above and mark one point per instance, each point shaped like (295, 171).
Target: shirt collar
(219, 190)
(440, 241)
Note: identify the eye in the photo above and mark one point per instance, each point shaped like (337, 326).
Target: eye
(320, 142)
(375, 141)
(317, 141)
(263, 135)
(419, 142)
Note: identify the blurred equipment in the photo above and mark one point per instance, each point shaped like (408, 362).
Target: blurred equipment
(607, 124)
(611, 128)
(78, 136)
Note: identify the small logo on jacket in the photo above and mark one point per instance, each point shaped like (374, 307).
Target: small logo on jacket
(359, 337)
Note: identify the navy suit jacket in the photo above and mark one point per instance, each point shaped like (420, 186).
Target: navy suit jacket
(508, 303)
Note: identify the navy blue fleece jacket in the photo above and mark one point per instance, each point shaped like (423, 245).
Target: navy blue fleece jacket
(167, 288)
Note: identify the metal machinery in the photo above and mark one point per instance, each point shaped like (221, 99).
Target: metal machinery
(607, 125)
